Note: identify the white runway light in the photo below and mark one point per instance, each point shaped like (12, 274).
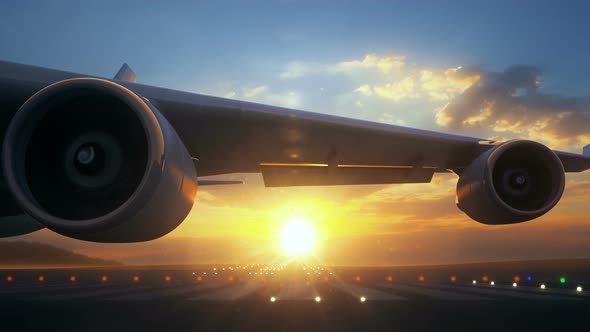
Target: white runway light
(542, 286)
(579, 289)
(363, 299)
(492, 283)
(318, 299)
(514, 284)
(273, 299)
(474, 282)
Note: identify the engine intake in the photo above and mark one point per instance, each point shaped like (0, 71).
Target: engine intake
(90, 159)
(513, 182)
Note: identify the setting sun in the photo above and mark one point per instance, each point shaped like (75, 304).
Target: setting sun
(297, 238)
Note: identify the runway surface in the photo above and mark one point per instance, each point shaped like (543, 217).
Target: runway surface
(257, 298)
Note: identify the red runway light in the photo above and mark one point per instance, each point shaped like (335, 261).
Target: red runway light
(421, 278)
(9, 278)
(72, 278)
(453, 278)
(326, 278)
(357, 278)
(167, 278)
(135, 278)
(230, 279)
(484, 278)
(104, 279)
(516, 278)
(389, 278)
(41, 278)
(199, 279)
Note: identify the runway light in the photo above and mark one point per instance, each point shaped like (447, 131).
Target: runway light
(579, 289)
(363, 299)
(474, 282)
(492, 283)
(73, 278)
(562, 280)
(542, 286)
(273, 299)
(389, 278)
(135, 278)
(514, 284)
(529, 278)
(41, 278)
(516, 278)
(167, 278)
(318, 299)
(230, 279)
(357, 278)
(9, 278)
(199, 279)
(326, 279)
(421, 278)
(453, 278)
(104, 279)
(484, 278)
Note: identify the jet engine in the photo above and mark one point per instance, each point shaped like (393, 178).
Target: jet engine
(513, 182)
(90, 159)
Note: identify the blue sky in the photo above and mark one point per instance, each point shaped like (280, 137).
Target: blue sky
(175, 44)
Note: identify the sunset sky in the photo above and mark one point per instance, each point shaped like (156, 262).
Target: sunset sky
(497, 70)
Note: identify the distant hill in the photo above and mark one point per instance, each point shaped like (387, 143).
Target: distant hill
(20, 254)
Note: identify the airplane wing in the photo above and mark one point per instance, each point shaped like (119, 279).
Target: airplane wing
(297, 148)
(292, 147)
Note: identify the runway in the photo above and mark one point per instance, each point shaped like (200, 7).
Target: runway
(263, 298)
(218, 289)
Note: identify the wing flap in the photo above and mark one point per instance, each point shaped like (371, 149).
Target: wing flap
(288, 175)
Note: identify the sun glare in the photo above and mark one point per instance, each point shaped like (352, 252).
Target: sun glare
(297, 238)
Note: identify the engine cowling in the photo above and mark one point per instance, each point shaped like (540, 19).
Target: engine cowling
(90, 159)
(513, 182)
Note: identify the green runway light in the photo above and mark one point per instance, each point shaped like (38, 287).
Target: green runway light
(562, 280)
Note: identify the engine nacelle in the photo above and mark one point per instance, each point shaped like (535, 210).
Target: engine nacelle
(90, 159)
(513, 182)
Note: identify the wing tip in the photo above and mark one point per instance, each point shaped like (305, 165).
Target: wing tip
(586, 151)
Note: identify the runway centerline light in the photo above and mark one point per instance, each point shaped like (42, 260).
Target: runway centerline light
(363, 299)
(273, 299)
(318, 299)
(543, 286)
(579, 289)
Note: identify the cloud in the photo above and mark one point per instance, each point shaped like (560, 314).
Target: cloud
(371, 63)
(513, 102)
